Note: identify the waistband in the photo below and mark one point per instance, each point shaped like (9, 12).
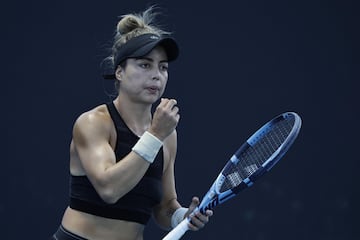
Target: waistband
(63, 234)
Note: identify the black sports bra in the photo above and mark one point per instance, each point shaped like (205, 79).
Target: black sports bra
(137, 204)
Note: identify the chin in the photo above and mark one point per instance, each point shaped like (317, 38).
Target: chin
(151, 99)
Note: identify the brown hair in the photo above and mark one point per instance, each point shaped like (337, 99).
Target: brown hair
(133, 25)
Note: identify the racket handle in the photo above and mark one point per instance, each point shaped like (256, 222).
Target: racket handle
(178, 231)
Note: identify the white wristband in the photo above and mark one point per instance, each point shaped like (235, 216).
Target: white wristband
(178, 216)
(147, 147)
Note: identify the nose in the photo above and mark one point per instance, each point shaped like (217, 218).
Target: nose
(156, 74)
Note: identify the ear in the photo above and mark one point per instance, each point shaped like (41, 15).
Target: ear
(119, 73)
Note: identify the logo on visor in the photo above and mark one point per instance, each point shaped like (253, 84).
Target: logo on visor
(154, 37)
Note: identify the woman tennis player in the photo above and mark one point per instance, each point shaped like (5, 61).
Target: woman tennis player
(121, 155)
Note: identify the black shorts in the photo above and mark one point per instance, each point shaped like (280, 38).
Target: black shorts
(63, 234)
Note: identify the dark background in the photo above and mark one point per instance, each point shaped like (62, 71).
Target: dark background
(241, 63)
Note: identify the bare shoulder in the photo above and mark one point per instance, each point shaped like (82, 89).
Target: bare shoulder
(95, 122)
(97, 115)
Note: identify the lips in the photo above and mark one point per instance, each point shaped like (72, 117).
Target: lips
(152, 89)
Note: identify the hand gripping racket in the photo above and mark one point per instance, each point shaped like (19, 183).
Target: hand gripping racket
(254, 158)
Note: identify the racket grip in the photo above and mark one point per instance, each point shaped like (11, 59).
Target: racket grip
(178, 231)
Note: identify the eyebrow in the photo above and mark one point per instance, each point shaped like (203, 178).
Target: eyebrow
(150, 59)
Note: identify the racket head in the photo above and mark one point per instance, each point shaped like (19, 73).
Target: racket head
(259, 153)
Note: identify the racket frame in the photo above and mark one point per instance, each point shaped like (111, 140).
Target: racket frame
(214, 197)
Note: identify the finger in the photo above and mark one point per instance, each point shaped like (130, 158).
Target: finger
(163, 102)
(194, 203)
(197, 221)
(192, 227)
(177, 117)
(170, 103)
(202, 218)
(175, 110)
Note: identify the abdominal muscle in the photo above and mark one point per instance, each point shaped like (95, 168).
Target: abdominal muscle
(98, 228)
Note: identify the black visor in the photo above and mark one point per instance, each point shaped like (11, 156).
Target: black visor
(140, 46)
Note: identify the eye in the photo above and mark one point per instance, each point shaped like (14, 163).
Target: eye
(164, 67)
(144, 65)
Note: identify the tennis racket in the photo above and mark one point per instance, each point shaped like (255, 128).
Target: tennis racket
(254, 158)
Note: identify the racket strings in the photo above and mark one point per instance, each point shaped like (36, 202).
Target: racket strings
(254, 156)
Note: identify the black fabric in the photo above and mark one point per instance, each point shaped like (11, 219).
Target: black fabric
(141, 45)
(134, 206)
(138, 47)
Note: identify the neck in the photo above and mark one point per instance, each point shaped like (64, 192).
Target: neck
(137, 116)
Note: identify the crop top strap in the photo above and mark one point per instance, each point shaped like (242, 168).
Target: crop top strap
(115, 116)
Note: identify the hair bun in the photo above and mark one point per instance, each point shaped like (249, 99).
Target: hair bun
(129, 23)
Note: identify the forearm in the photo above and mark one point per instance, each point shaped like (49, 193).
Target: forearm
(131, 169)
(164, 212)
(118, 179)
(113, 179)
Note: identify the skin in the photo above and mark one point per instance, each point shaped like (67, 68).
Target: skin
(142, 83)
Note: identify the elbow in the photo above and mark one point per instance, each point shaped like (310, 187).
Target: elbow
(109, 190)
(106, 191)
(108, 195)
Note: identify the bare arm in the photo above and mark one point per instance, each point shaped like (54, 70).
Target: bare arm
(112, 179)
(164, 211)
(169, 203)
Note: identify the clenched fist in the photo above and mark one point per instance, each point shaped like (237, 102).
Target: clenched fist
(165, 119)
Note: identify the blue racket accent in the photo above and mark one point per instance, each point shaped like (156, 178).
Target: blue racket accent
(248, 182)
(234, 159)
